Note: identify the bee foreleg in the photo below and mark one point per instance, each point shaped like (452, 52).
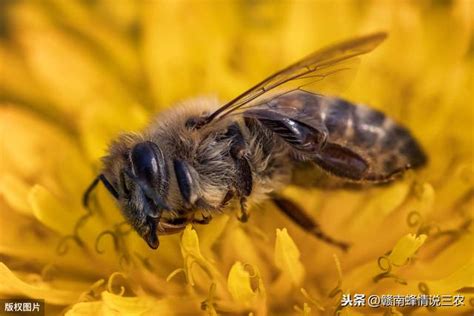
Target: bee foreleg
(243, 186)
(244, 214)
(243, 181)
(303, 220)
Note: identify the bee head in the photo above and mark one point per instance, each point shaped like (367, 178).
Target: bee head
(143, 186)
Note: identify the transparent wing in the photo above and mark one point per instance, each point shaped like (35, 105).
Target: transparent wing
(303, 74)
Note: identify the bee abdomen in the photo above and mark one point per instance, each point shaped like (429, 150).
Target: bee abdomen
(390, 146)
(387, 147)
(401, 148)
(370, 132)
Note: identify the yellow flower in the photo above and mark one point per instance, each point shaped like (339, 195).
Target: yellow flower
(73, 74)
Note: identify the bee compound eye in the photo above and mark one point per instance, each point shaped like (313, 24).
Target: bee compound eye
(144, 161)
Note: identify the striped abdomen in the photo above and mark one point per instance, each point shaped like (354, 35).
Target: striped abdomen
(388, 147)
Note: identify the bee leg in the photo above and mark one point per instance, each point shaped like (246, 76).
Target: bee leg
(244, 180)
(299, 216)
(244, 214)
(202, 221)
(230, 194)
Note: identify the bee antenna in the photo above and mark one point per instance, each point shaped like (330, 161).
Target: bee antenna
(93, 185)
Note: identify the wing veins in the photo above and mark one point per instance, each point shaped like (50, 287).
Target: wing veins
(312, 64)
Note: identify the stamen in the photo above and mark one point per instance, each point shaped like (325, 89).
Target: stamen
(118, 232)
(63, 247)
(47, 272)
(110, 285)
(208, 304)
(337, 290)
(174, 273)
(312, 300)
(91, 294)
(415, 219)
(102, 234)
(145, 261)
(126, 262)
(433, 230)
(387, 268)
(424, 289)
(306, 310)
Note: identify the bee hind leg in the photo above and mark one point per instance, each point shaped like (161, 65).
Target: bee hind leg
(303, 220)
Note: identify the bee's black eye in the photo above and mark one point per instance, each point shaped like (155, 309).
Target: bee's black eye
(149, 176)
(149, 165)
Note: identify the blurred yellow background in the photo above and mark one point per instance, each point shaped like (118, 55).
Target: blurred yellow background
(73, 74)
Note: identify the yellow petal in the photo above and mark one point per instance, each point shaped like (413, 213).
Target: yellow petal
(15, 191)
(50, 211)
(41, 153)
(101, 123)
(426, 199)
(453, 256)
(239, 245)
(126, 305)
(145, 305)
(11, 285)
(350, 312)
(77, 16)
(17, 83)
(210, 234)
(85, 309)
(287, 257)
(463, 277)
(49, 60)
(405, 248)
(382, 202)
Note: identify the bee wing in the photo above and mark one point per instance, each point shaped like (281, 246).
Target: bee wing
(303, 74)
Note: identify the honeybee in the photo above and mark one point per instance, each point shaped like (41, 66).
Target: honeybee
(196, 160)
